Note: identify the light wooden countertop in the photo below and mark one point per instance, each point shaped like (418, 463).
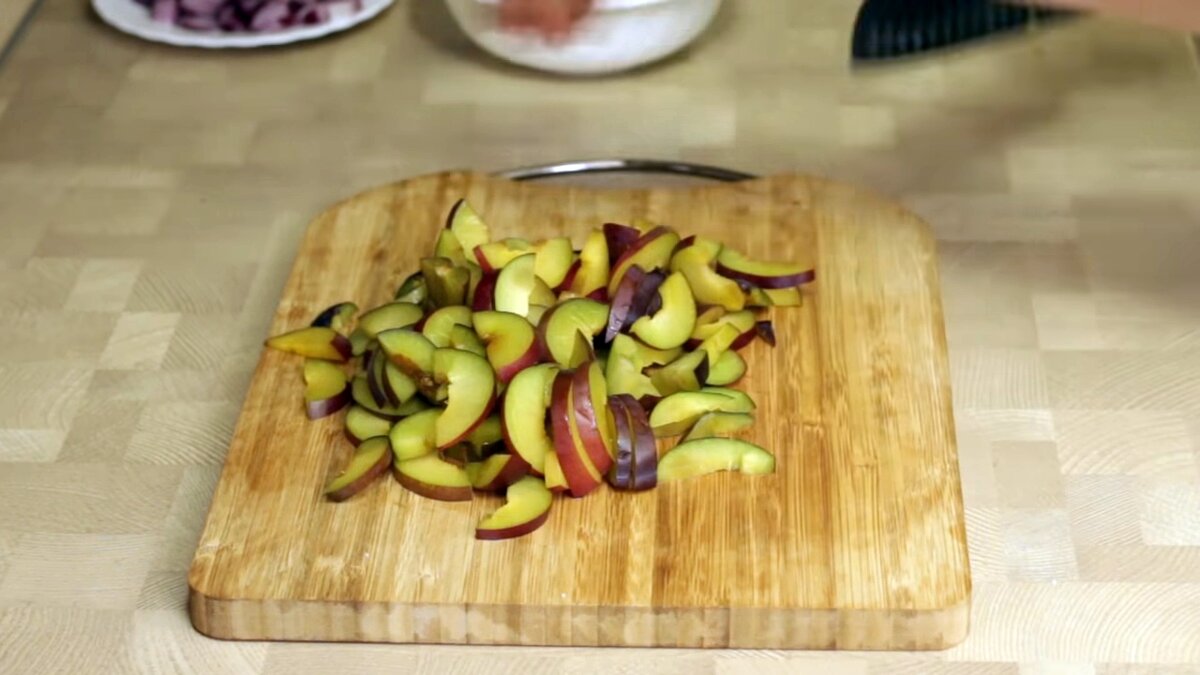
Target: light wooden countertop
(151, 201)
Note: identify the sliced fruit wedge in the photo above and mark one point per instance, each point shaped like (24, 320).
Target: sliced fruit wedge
(555, 480)
(645, 447)
(650, 252)
(338, 317)
(732, 264)
(415, 435)
(468, 227)
(496, 472)
(560, 328)
(516, 285)
(487, 436)
(314, 343)
(526, 507)
(390, 316)
(370, 461)
(362, 424)
(707, 286)
(710, 455)
(511, 342)
(687, 373)
(438, 324)
(554, 260)
(470, 397)
(446, 282)
(728, 369)
(361, 392)
(523, 419)
(676, 413)
(433, 477)
(593, 266)
(719, 424)
(412, 290)
(495, 255)
(449, 247)
(784, 297)
(326, 389)
(671, 325)
(412, 353)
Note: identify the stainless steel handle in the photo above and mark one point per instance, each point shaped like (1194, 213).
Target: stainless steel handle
(628, 166)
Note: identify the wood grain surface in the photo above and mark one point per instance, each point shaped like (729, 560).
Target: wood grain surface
(857, 542)
(165, 192)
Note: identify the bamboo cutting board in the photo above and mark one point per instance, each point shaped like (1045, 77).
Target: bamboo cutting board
(857, 542)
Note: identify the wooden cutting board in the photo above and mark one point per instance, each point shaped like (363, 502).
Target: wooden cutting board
(857, 542)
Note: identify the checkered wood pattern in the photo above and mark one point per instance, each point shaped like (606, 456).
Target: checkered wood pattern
(151, 201)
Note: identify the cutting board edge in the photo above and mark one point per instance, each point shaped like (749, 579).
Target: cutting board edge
(375, 622)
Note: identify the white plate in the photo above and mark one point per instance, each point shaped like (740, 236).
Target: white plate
(133, 18)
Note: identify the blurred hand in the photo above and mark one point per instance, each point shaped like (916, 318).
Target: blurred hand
(1181, 15)
(554, 19)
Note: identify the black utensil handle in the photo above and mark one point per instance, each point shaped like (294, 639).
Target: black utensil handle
(625, 166)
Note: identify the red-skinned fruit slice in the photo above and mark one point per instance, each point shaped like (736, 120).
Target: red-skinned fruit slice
(390, 316)
(464, 338)
(523, 418)
(362, 424)
(589, 396)
(743, 321)
(338, 317)
(710, 455)
(671, 325)
(619, 238)
(511, 342)
(621, 314)
(766, 331)
(398, 387)
(720, 342)
(467, 226)
(732, 264)
(560, 327)
(314, 343)
(650, 252)
(582, 477)
(485, 293)
(370, 461)
(620, 475)
(471, 393)
(645, 447)
(326, 390)
(373, 370)
(594, 266)
(496, 472)
(526, 508)
(433, 477)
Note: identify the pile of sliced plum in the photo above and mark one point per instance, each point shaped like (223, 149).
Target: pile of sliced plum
(531, 368)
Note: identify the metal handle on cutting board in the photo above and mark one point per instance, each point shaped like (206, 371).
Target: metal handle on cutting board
(625, 166)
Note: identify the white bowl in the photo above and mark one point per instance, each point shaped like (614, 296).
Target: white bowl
(617, 35)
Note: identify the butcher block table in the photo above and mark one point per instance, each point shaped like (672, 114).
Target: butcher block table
(153, 200)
